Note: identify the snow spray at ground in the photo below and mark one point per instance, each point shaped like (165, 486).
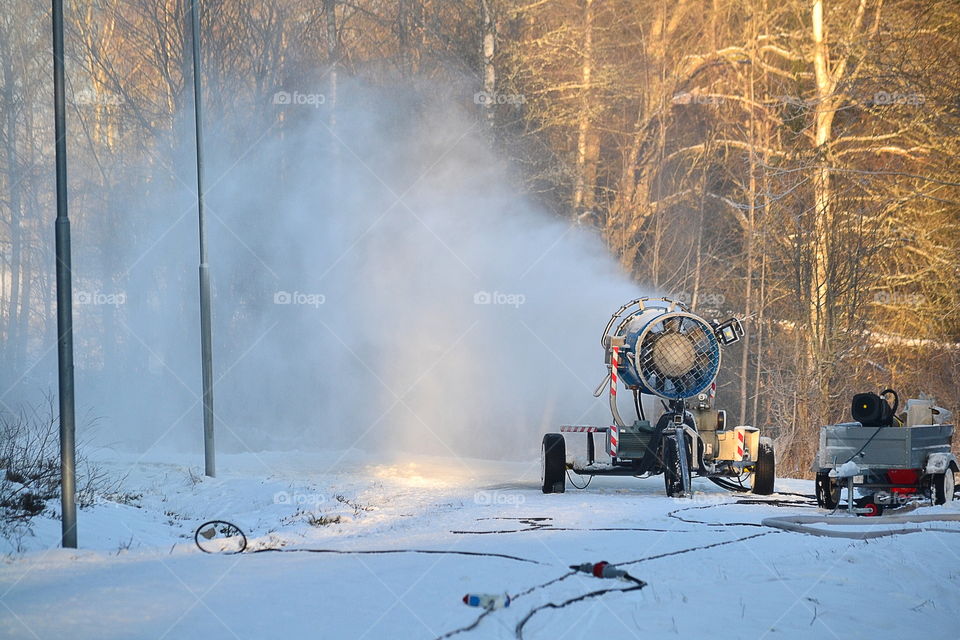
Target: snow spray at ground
(380, 285)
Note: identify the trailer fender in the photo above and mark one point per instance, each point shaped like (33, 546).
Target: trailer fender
(735, 443)
(940, 462)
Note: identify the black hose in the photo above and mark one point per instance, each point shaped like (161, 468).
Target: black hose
(580, 598)
(639, 404)
(586, 484)
(237, 531)
(478, 554)
(208, 530)
(896, 400)
(723, 483)
(869, 440)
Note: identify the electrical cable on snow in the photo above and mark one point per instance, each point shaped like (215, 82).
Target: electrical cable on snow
(636, 587)
(727, 484)
(470, 627)
(798, 495)
(477, 554)
(236, 531)
(603, 570)
(808, 502)
(593, 594)
(543, 524)
(801, 523)
(561, 605)
(698, 548)
(473, 625)
(586, 484)
(673, 514)
(206, 536)
(540, 525)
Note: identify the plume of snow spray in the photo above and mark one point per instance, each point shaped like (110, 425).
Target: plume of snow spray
(381, 285)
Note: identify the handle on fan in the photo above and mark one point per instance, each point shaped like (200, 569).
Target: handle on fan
(896, 400)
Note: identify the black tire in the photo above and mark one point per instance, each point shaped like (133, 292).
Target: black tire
(553, 463)
(765, 471)
(672, 471)
(944, 484)
(827, 490)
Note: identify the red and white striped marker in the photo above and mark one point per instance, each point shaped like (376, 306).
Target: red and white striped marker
(578, 429)
(740, 444)
(614, 363)
(614, 435)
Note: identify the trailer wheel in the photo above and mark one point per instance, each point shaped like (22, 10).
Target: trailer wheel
(943, 487)
(672, 470)
(765, 470)
(827, 490)
(553, 463)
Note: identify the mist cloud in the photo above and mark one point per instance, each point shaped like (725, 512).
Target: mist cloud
(381, 285)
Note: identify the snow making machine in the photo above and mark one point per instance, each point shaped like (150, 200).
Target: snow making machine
(889, 458)
(658, 347)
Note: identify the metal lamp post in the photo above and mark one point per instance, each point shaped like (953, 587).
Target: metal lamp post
(206, 340)
(68, 475)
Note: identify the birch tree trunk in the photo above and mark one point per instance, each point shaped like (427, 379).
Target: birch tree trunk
(827, 100)
(333, 55)
(583, 121)
(488, 51)
(823, 114)
(750, 237)
(15, 306)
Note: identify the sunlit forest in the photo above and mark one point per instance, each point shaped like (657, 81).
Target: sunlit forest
(795, 163)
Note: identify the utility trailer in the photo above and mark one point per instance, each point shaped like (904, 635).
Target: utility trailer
(658, 347)
(890, 459)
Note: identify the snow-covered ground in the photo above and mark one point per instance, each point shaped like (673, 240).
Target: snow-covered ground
(711, 568)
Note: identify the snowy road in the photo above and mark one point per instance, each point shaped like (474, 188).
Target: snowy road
(711, 568)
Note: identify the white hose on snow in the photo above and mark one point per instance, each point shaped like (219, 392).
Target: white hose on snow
(801, 524)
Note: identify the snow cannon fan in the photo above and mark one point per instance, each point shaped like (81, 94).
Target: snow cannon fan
(872, 410)
(659, 347)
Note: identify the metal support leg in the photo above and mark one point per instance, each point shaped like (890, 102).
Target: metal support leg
(850, 505)
(684, 466)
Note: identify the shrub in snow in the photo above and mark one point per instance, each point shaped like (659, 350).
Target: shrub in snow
(30, 468)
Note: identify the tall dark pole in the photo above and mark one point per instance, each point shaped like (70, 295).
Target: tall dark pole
(206, 346)
(68, 474)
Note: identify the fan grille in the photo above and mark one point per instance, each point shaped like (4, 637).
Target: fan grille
(678, 356)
